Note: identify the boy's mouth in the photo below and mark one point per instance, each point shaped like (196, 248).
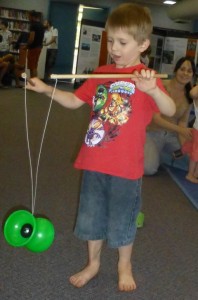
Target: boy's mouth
(116, 57)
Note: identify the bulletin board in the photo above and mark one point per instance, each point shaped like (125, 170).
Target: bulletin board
(91, 47)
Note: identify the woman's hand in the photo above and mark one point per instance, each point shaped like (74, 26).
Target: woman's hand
(186, 132)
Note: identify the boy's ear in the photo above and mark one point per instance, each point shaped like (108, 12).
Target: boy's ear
(144, 45)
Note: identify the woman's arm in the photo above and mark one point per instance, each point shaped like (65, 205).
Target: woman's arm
(66, 99)
(185, 133)
(181, 128)
(194, 94)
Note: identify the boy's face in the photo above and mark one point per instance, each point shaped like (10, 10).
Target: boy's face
(123, 49)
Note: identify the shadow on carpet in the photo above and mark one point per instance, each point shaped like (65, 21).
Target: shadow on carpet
(188, 188)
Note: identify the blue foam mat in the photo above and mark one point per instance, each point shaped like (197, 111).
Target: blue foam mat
(188, 188)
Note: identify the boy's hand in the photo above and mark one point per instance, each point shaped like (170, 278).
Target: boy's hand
(145, 80)
(37, 85)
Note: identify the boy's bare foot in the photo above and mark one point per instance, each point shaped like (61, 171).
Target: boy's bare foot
(83, 277)
(126, 282)
(191, 178)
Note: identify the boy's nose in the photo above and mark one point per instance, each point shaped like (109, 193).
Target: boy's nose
(114, 47)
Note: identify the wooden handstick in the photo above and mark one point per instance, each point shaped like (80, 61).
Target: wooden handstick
(73, 76)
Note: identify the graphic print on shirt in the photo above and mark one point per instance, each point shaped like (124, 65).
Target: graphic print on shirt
(111, 109)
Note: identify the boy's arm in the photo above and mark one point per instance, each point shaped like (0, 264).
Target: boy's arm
(66, 99)
(165, 103)
(146, 82)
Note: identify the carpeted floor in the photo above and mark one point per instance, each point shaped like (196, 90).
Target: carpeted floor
(165, 256)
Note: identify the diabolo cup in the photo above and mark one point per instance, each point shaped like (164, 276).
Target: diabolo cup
(43, 236)
(19, 228)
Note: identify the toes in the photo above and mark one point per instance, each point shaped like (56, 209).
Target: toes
(76, 281)
(126, 287)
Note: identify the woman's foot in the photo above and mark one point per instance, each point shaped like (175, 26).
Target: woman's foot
(81, 278)
(126, 282)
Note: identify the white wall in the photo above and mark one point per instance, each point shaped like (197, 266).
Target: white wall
(161, 19)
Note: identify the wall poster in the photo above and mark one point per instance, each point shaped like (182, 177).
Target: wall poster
(89, 47)
(174, 48)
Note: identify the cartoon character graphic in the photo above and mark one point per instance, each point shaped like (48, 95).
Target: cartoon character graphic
(100, 98)
(118, 110)
(112, 107)
(95, 133)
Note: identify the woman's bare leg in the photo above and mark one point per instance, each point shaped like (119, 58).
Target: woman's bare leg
(196, 170)
(92, 268)
(126, 281)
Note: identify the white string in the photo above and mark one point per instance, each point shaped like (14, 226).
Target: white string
(28, 144)
(35, 183)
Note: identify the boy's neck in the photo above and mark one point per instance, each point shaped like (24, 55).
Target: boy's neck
(131, 64)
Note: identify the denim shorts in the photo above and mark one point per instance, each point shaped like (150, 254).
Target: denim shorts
(108, 209)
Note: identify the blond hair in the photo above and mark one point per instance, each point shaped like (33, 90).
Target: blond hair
(134, 18)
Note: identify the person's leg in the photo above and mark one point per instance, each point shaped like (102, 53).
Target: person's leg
(47, 65)
(4, 66)
(91, 269)
(33, 73)
(171, 143)
(50, 62)
(191, 175)
(33, 58)
(126, 280)
(196, 170)
(124, 206)
(91, 224)
(151, 155)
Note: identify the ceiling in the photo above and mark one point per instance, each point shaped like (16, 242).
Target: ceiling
(156, 2)
(112, 3)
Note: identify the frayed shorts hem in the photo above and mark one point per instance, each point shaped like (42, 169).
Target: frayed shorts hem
(103, 238)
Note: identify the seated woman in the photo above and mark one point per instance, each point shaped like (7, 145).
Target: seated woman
(165, 134)
(3, 70)
(11, 67)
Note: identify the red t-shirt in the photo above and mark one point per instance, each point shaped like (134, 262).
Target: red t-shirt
(114, 142)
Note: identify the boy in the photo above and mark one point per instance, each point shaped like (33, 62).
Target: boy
(112, 153)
